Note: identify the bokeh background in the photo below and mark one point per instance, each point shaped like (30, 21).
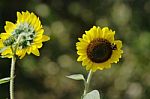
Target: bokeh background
(64, 21)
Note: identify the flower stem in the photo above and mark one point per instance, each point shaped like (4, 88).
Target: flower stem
(12, 77)
(87, 83)
(12, 70)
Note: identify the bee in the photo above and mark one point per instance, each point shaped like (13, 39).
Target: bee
(113, 46)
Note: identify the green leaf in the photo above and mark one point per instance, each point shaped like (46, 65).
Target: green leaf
(92, 95)
(4, 80)
(76, 77)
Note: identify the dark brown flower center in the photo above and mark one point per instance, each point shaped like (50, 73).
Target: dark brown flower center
(100, 50)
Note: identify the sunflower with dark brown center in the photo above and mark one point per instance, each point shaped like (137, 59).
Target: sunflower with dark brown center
(97, 48)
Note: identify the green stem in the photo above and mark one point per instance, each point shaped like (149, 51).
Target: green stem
(87, 83)
(12, 70)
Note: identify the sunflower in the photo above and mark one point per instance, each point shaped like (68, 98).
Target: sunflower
(97, 49)
(26, 34)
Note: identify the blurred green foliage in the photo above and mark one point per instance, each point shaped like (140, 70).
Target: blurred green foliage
(64, 21)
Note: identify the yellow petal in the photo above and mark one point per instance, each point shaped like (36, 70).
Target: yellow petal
(83, 63)
(110, 36)
(19, 52)
(94, 68)
(26, 16)
(1, 43)
(30, 18)
(80, 58)
(45, 38)
(4, 36)
(29, 50)
(107, 66)
(36, 52)
(118, 43)
(39, 45)
(89, 35)
(40, 32)
(23, 16)
(115, 56)
(85, 37)
(37, 24)
(95, 32)
(7, 51)
(23, 53)
(81, 52)
(88, 65)
(9, 27)
(33, 47)
(82, 44)
(34, 18)
(38, 39)
(19, 17)
(105, 30)
(81, 48)
(97, 66)
(82, 40)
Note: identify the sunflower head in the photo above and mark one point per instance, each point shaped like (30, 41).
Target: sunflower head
(25, 36)
(97, 49)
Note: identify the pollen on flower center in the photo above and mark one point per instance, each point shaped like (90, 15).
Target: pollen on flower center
(27, 32)
(99, 50)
